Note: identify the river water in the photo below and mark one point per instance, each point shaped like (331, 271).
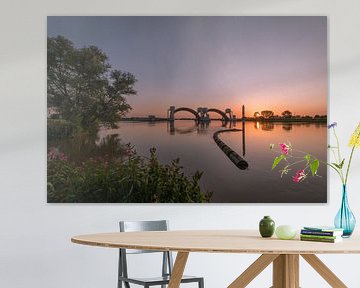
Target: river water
(195, 147)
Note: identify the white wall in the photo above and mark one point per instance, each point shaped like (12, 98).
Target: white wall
(35, 248)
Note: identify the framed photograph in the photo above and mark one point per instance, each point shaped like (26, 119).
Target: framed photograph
(185, 109)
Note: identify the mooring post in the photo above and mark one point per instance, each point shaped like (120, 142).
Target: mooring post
(243, 129)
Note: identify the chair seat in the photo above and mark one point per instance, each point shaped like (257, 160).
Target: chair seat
(158, 280)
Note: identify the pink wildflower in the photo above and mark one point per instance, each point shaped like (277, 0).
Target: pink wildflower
(63, 157)
(284, 148)
(51, 155)
(55, 154)
(299, 176)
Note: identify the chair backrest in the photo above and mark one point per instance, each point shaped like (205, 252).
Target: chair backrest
(137, 226)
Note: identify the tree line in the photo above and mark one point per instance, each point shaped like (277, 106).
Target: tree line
(268, 114)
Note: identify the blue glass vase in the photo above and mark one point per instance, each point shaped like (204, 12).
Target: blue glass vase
(345, 219)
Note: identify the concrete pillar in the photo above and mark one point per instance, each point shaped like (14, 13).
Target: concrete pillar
(171, 113)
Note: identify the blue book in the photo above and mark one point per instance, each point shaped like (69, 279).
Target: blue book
(322, 231)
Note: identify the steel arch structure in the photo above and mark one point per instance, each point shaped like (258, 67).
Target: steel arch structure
(226, 118)
(192, 111)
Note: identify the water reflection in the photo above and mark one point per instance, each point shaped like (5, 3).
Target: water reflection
(172, 130)
(201, 127)
(193, 144)
(90, 146)
(287, 126)
(267, 126)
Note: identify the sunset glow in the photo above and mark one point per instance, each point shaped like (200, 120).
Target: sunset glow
(264, 63)
(163, 128)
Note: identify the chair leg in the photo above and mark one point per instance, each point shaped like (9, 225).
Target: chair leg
(201, 283)
(119, 270)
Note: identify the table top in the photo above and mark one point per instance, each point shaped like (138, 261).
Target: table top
(217, 241)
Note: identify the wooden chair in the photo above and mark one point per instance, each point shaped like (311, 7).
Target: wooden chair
(167, 265)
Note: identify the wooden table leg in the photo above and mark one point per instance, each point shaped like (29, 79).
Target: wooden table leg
(253, 270)
(324, 271)
(178, 269)
(286, 271)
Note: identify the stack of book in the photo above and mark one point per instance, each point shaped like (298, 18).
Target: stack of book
(321, 234)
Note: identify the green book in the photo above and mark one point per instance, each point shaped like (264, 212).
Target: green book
(325, 240)
(319, 236)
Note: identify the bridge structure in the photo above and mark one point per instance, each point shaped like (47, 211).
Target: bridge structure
(201, 117)
(202, 113)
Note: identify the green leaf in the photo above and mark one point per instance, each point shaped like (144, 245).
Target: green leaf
(336, 165)
(277, 160)
(307, 157)
(339, 166)
(342, 163)
(314, 166)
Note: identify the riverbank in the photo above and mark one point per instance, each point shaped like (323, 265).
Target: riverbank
(261, 120)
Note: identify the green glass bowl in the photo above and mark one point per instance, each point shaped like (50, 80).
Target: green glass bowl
(286, 232)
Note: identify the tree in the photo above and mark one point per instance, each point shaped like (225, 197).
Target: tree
(286, 114)
(82, 88)
(267, 113)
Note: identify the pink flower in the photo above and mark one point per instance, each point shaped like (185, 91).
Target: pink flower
(299, 176)
(51, 155)
(284, 148)
(54, 154)
(63, 157)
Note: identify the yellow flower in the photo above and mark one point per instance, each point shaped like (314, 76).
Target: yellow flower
(355, 138)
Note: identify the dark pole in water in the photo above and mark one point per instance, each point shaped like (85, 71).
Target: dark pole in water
(243, 129)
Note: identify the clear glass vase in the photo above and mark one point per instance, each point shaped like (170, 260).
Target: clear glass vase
(345, 219)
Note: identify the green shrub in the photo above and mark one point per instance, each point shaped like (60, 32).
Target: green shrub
(134, 180)
(60, 129)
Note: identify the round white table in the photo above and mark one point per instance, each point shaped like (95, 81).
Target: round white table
(284, 254)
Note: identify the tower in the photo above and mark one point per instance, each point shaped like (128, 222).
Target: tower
(171, 113)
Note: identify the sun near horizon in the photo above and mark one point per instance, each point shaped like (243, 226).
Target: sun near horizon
(265, 63)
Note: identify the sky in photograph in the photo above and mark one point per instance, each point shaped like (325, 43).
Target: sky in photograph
(264, 63)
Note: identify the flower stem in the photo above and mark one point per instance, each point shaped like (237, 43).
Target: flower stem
(340, 171)
(337, 171)
(337, 144)
(333, 152)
